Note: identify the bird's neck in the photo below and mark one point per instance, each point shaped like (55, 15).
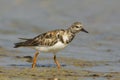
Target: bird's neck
(70, 30)
(68, 36)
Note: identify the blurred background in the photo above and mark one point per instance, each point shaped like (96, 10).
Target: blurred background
(28, 18)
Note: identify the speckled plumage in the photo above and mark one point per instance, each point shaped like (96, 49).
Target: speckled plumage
(52, 41)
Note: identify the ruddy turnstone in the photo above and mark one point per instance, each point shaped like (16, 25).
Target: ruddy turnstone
(52, 41)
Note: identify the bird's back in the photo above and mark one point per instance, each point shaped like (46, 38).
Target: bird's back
(46, 39)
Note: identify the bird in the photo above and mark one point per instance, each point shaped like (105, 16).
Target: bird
(51, 41)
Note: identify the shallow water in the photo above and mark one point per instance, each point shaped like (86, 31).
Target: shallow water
(19, 18)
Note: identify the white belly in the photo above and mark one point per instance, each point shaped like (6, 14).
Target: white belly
(55, 48)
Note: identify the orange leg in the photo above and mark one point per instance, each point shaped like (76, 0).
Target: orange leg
(56, 61)
(35, 60)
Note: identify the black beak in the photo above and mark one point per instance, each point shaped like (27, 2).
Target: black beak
(84, 30)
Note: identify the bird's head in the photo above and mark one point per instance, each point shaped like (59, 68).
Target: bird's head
(77, 27)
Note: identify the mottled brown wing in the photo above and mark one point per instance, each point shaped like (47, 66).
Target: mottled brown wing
(45, 39)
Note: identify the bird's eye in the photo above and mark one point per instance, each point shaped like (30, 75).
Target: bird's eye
(77, 26)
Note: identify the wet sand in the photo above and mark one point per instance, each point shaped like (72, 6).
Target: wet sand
(16, 73)
(72, 69)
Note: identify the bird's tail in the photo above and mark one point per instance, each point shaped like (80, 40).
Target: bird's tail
(20, 44)
(24, 39)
